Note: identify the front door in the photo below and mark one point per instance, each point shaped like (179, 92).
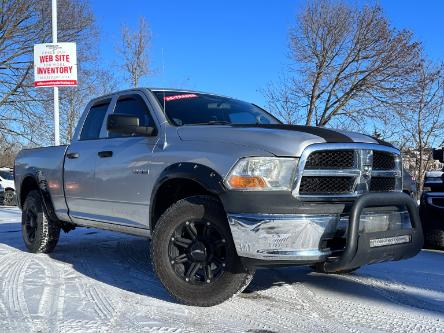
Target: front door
(122, 174)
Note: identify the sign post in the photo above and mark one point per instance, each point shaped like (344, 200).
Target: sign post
(55, 65)
(56, 89)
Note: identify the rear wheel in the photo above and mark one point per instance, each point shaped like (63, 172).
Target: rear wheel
(9, 198)
(40, 234)
(194, 255)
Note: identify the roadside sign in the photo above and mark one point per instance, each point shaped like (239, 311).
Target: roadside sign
(55, 65)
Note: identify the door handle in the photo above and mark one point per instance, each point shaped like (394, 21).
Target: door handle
(105, 153)
(72, 155)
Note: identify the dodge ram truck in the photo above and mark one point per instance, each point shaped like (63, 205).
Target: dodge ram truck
(220, 187)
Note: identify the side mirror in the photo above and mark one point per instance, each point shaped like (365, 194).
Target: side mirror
(438, 154)
(127, 124)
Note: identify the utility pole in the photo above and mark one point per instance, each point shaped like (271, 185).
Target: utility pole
(56, 89)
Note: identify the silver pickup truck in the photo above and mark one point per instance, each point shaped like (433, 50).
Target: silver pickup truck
(221, 187)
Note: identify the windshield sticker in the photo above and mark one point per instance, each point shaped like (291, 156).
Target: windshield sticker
(176, 97)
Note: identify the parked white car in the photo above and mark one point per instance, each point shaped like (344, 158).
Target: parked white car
(7, 183)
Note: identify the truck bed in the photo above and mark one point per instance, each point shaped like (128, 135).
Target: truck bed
(47, 165)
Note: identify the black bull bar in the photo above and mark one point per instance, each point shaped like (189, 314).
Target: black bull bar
(358, 250)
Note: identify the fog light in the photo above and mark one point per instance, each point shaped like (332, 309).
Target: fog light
(371, 221)
(384, 221)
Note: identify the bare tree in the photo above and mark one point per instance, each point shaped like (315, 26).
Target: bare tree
(24, 23)
(26, 115)
(420, 118)
(347, 62)
(8, 152)
(134, 52)
(283, 103)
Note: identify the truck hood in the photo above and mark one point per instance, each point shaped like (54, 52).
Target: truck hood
(280, 140)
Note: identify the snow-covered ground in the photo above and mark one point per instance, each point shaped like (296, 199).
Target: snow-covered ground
(103, 281)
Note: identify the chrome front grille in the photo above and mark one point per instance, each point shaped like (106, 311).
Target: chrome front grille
(347, 170)
(326, 184)
(383, 160)
(328, 159)
(382, 184)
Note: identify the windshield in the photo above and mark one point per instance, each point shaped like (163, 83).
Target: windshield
(183, 108)
(6, 175)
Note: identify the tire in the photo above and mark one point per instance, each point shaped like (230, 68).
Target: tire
(434, 238)
(9, 198)
(40, 234)
(193, 253)
(319, 268)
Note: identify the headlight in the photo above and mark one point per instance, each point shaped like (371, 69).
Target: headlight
(262, 174)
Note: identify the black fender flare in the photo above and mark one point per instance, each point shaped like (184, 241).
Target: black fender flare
(42, 185)
(199, 173)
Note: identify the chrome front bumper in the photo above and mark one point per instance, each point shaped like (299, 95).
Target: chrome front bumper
(281, 237)
(299, 237)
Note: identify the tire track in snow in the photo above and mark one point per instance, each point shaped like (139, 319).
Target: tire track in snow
(104, 299)
(80, 326)
(50, 308)
(382, 319)
(392, 290)
(13, 293)
(339, 314)
(101, 304)
(6, 261)
(50, 296)
(361, 314)
(311, 307)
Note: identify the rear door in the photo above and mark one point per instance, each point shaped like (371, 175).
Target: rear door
(123, 178)
(80, 161)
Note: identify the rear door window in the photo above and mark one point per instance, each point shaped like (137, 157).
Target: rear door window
(93, 122)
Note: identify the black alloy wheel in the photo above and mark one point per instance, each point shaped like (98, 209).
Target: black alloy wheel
(39, 232)
(194, 255)
(30, 224)
(197, 252)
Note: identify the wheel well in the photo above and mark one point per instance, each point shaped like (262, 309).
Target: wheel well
(29, 184)
(172, 191)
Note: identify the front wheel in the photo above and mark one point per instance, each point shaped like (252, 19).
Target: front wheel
(194, 255)
(40, 233)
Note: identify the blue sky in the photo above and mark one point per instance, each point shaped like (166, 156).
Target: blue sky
(235, 47)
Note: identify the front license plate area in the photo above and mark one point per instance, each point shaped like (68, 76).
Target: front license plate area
(378, 242)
